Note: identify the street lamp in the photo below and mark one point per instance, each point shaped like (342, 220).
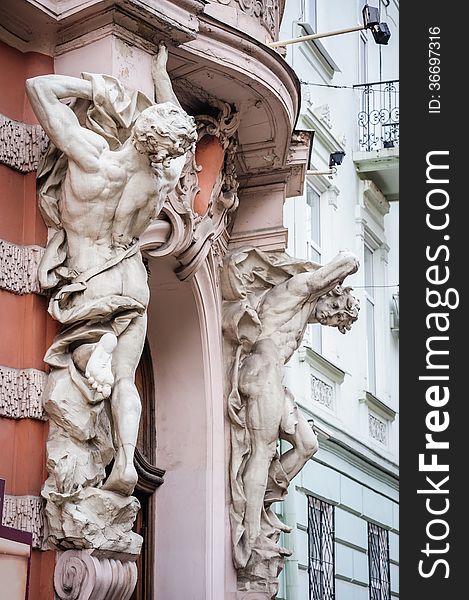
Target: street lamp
(335, 158)
(380, 31)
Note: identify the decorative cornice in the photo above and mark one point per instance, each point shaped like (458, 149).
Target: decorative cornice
(374, 199)
(26, 514)
(323, 365)
(18, 267)
(322, 132)
(378, 406)
(21, 393)
(21, 144)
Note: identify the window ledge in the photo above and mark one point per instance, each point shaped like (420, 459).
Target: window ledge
(323, 365)
(378, 406)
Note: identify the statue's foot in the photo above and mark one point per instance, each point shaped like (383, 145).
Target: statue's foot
(122, 481)
(98, 368)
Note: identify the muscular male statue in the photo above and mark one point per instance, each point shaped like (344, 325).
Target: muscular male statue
(267, 331)
(107, 199)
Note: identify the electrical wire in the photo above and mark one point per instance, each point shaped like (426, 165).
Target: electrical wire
(347, 87)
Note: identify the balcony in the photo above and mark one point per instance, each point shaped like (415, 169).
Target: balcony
(377, 154)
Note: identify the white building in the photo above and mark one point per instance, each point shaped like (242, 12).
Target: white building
(343, 506)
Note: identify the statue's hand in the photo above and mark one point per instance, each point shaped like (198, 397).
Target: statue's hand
(159, 60)
(351, 259)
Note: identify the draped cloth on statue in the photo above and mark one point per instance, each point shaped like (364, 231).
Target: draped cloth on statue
(111, 113)
(80, 444)
(248, 274)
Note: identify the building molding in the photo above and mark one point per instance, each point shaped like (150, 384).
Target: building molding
(21, 393)
(378, 406)
(374, 199)
(316, 360)
(322, 132)
(25, 513)
(21, 144)
(18, 267)
(353, 450)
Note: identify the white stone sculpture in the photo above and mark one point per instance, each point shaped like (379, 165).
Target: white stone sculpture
(112, 162)
(269, 298)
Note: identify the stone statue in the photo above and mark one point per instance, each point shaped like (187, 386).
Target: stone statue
(268, 301)
(112, 161)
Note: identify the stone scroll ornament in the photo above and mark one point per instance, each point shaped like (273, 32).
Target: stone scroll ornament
(112, 161)
(268, 300)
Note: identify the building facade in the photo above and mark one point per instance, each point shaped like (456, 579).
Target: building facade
(253, 149)
(344, 508)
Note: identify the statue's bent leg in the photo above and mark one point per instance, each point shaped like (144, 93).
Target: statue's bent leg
(126, 406)
(305, 444)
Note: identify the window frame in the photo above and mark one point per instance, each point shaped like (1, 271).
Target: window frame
(322, 590)
(380, 585)
(310, 13)
(314, 331)
(370, 302)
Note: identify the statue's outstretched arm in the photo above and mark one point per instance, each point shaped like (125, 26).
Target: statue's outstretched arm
(163, 88)
(325, 278)
(60, 122)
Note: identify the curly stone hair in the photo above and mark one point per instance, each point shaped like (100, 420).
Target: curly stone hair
(349, 312)
(168, 122)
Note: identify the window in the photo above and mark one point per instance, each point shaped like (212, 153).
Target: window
(378, 562)
(314, 223)
(321, 549)
(313, 200)
(370, 318)
(310, 14)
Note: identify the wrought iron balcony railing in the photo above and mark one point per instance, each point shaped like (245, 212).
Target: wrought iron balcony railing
(378, 119)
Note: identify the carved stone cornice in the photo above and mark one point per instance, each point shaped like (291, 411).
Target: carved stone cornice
(18, 267)
(266, 12)
(21, 393)
(25, 513)
(21, 144)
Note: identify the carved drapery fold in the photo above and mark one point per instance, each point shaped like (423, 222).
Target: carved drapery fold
(18, 267)
(21, 144)
(21, 393)
(26, 514)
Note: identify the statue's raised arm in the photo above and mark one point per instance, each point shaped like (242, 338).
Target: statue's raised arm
(79, 144)
(163, 87)
(99, 188)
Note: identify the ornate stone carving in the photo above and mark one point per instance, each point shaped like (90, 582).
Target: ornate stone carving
(81, 576)
(21, 393)
(265, 10)
(25, 513)
(377, 428)
(269, 298)
(21, 144)
(322, 392)
(18, 267)
(117, 171)
(188, 236)
(323, 113)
